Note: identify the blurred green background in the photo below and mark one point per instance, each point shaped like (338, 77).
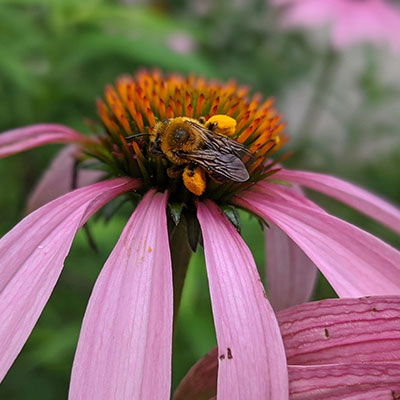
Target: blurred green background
(57, 55)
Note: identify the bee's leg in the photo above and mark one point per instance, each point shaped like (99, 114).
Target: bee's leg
(194, 178)
(175, 171)
(221, 124)
(74, 185)
(156, 152)
(155, 147)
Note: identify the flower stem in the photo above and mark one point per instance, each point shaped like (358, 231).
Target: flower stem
(180, 255)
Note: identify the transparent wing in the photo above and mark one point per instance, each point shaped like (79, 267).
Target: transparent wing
(224, 164)
(220, 143)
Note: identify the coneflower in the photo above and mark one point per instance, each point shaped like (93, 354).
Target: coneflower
(349, 21)
(124, 349)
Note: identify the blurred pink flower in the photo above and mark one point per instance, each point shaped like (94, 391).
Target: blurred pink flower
(125, 344)
(181, 43)
(351, 21)
(336, 349)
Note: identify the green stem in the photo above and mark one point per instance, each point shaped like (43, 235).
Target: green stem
(180, 255)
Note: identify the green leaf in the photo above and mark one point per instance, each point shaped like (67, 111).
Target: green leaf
(175, 210)
(233, 216)
(111, 208)
(193, 230)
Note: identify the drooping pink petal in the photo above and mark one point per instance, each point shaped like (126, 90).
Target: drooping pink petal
(353, 381)
(57, 180)
(328, 332)
(251, 356)
(354, 262)
(32, 256)
(124, 349)
(358, 198)
(22, 139)
(200, 383)
(291, 275)
(347, 381)
(342, 331)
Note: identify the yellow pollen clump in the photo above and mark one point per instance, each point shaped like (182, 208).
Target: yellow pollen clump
(222, 124)
(194, 178)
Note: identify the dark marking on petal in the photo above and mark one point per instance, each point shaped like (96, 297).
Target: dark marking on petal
(222, 357)
(326, 333)
(229, 351)
(395, 396)
(374, 310)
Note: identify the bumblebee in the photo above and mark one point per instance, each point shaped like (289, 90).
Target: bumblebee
(197, 146)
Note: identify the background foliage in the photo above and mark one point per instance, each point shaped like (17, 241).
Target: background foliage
(57, 55)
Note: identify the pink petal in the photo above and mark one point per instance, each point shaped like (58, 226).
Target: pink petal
(371, 381)
(291, 275)
(354, 262)
(21, 139)
(200, 383)
(373, 21)
(352, 381)
(32, 256)
(252, 361)
(357, 25)
(57, 180)
(334, 332)
(124, 349)
(310, 13)
(342, 331)
(358, 198)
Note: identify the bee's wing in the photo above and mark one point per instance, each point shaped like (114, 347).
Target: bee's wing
(224, 165)
(220, 143)
(227, 145)
(231, 167)
(219, 155)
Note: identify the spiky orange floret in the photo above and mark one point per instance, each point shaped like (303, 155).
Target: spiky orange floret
(138, 102)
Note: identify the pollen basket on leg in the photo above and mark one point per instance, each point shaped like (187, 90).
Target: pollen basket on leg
(194, 178)
(188, 135)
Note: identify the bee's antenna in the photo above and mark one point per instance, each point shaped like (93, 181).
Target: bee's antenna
(136, 135)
